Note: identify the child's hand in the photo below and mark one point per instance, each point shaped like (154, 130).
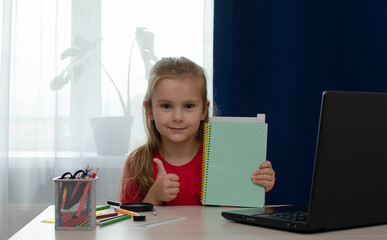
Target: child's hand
(165, 188)
(265, 176)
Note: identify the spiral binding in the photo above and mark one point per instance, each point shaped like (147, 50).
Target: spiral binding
(206, 153)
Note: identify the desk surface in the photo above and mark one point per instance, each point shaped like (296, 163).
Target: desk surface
(188, 222)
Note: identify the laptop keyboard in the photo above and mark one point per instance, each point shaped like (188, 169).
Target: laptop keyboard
(299, 216)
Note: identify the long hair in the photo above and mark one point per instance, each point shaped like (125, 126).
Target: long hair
(138, 168)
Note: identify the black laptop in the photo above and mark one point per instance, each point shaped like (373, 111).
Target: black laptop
(349, 187)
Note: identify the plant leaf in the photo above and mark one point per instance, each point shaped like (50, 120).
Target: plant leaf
(70, 52)
(145, 40)
(59, 81)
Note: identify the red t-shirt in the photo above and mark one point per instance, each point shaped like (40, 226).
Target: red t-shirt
(190, 177)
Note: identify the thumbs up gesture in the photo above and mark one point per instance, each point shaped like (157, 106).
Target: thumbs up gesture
(165, 188)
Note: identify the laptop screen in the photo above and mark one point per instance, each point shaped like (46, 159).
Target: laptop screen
(350, 174)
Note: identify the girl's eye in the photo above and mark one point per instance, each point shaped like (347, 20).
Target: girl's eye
(189, 106)
(165, 106)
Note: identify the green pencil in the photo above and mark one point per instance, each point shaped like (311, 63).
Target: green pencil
(103, 207)
(116, 220)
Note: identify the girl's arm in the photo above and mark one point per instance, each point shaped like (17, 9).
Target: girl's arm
(265, 176)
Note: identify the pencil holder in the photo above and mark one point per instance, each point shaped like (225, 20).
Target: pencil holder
(75, 204)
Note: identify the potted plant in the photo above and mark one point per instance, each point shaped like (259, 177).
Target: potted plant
(111, 134)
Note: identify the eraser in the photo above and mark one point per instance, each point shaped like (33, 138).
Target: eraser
(139, 217)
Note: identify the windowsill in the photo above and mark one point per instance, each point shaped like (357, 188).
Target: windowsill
(33, 154)
(64, 160)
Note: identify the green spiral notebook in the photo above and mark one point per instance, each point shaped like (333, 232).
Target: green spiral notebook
(233, 148)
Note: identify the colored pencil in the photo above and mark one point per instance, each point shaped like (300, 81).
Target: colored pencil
(107, 215)
(103, 207)
(126, 211)
(116, 220)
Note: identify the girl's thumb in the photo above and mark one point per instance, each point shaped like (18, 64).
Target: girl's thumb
(160, 166)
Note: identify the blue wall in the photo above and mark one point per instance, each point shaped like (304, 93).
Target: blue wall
(277, 56)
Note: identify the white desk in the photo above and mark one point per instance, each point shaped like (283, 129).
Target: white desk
(199, 223)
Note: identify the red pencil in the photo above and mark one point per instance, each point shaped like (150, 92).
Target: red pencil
(107, 215)
(83, 199)
(108, 219)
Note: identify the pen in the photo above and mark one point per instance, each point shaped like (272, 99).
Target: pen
(115, 220)
(126, 211)
(154, 211)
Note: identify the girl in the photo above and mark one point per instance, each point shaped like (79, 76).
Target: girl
(167, 169)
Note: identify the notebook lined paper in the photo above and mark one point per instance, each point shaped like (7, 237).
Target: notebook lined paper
(232, 151)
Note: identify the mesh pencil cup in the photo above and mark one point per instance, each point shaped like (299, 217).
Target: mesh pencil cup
(75, 204)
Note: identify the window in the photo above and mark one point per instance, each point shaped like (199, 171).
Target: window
(119, 32)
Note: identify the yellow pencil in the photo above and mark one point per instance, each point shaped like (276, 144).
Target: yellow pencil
(127, 212)
(64, 197)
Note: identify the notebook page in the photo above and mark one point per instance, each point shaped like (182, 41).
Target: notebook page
(236, 150)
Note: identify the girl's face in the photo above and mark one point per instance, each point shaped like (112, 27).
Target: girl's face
(177, 108)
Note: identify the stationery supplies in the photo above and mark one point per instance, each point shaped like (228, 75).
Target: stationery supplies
(126, 211)
(112, 214)
(154, 211)
(75, 202)
(138, 218)
(99, 221)
(124, 217)
(84, 195)
(233, 148)
(81, 220)
(103, 207)
(136, 206)
(162, 222)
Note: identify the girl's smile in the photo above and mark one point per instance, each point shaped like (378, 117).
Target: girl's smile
(177, 129)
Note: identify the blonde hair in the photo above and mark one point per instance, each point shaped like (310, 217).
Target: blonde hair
(138, 168)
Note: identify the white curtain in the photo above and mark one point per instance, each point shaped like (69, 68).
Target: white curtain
(73, 76)
(5, 23)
